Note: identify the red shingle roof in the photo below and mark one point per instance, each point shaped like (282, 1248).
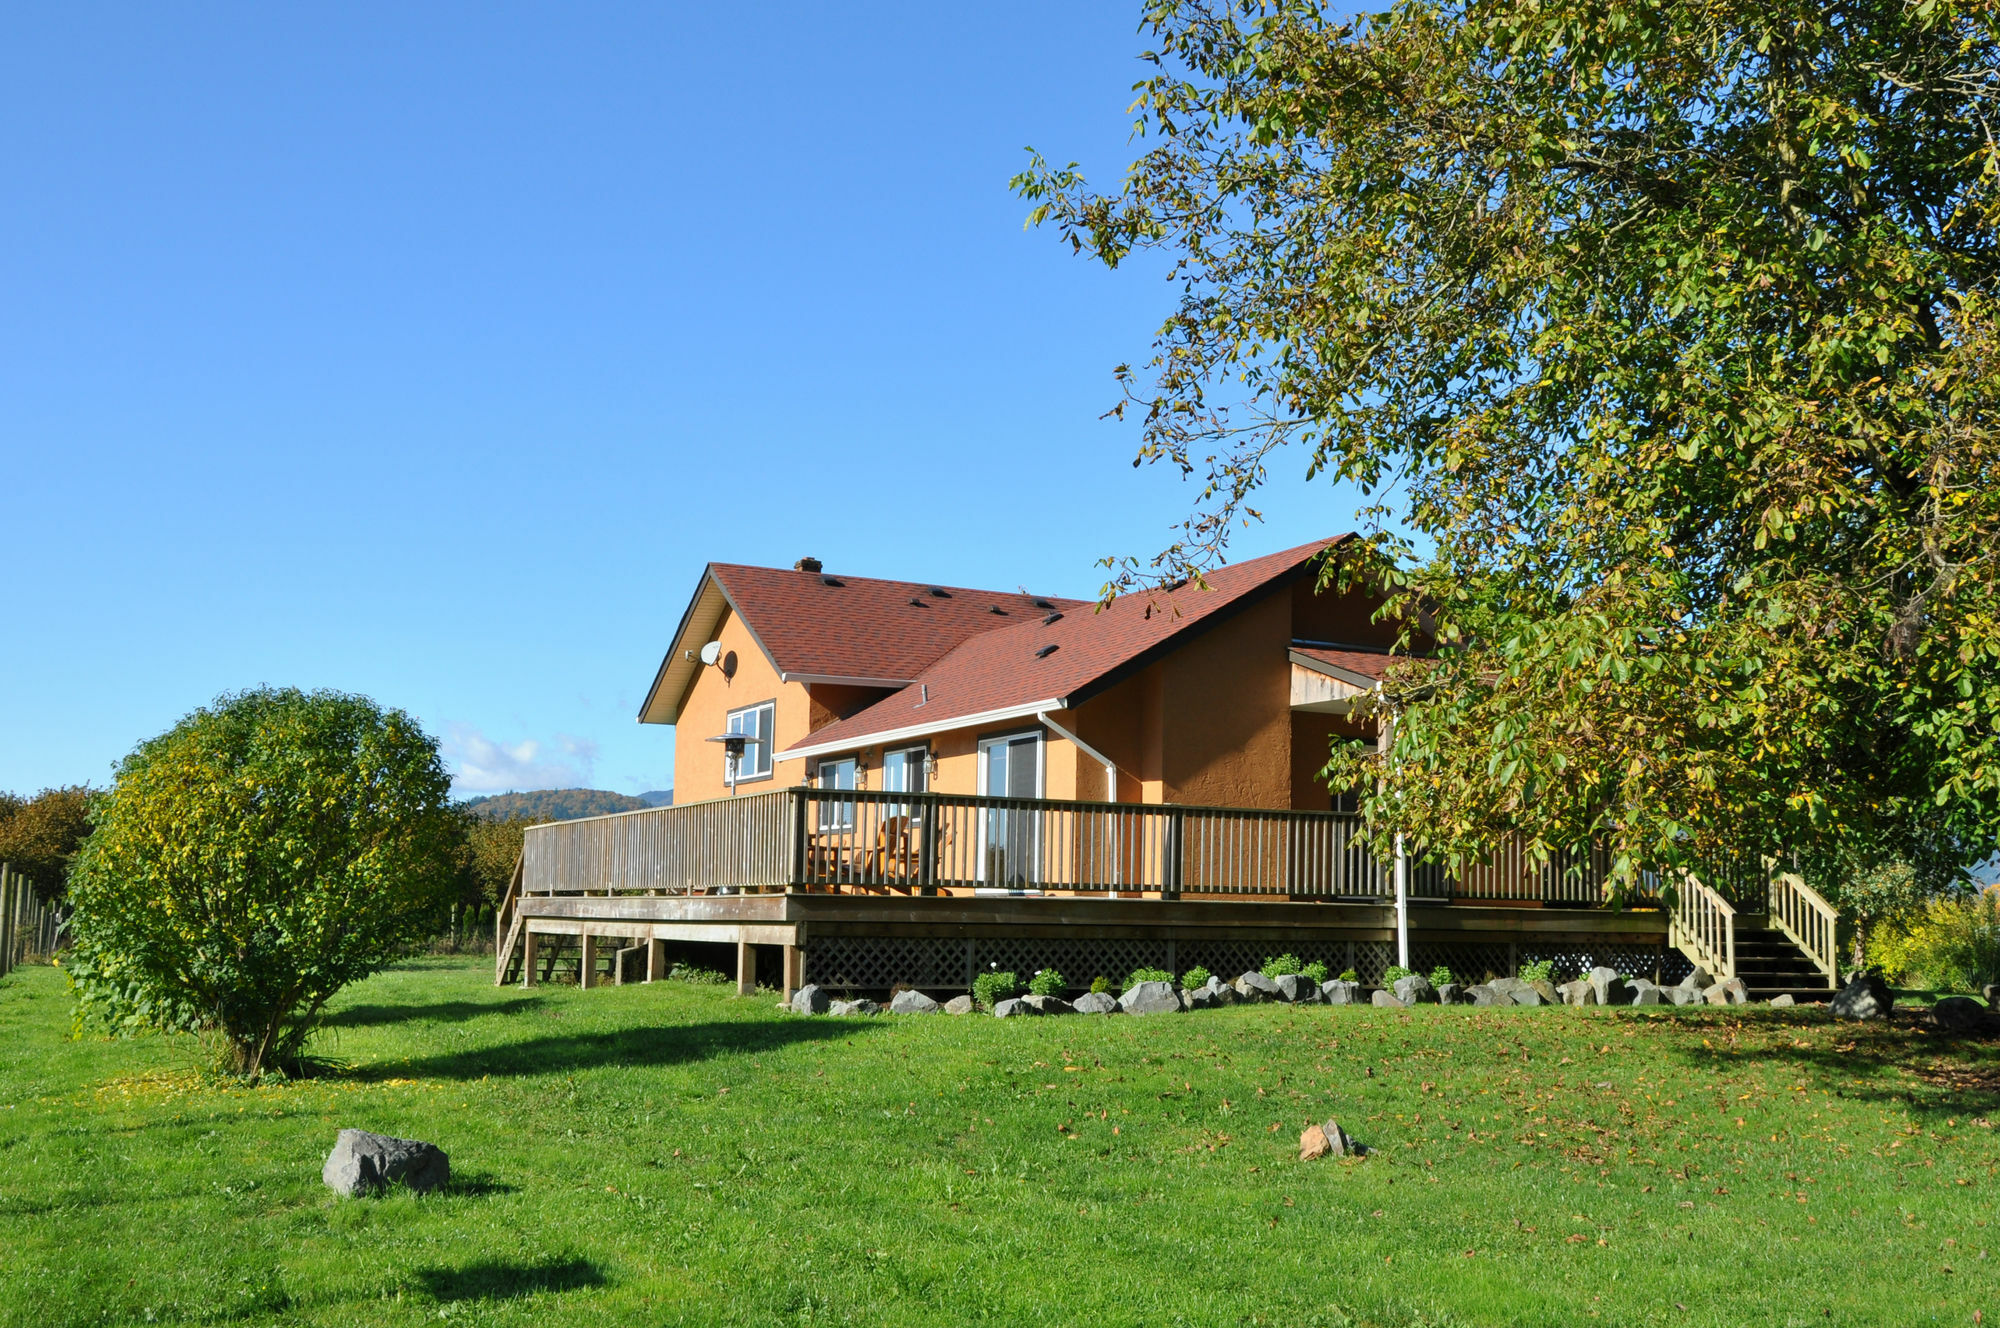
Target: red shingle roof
(1038, 662)
(1368, 663)
(829, 625)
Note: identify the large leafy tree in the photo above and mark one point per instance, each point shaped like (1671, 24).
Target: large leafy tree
(253, 860)
(1666, 335)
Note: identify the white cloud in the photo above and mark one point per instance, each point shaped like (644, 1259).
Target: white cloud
(481, 765)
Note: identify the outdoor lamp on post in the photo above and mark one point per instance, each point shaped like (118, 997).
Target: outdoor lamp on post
(733, 745)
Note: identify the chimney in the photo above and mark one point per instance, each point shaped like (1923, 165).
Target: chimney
(806, 565)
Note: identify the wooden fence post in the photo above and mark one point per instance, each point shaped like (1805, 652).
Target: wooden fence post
(6, 918)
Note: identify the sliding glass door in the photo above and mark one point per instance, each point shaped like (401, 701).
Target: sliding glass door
(1011, 768)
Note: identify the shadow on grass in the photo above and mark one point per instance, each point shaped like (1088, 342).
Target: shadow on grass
(673, 1045)
(475, 1186)
(450, 1012)
(1903, 1063)
(500, 1279)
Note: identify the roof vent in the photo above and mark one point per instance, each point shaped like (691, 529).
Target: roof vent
(938, 592)
(918, 602)
(1052, 619)
(1047, 650)
(806, 565)
(830, 580)
(1043, 604)
(995, 608)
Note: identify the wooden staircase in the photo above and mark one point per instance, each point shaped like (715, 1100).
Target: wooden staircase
(1787, 950)
(1771, 964)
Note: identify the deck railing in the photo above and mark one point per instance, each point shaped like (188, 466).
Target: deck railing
(808, 839)
(1801, 913)
(1703, 925)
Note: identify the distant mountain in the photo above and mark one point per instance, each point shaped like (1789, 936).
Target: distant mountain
(658, 798)
(553, 804)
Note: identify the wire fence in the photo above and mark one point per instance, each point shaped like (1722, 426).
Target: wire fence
(29, 928)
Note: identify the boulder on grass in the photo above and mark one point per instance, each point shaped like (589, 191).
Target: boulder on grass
(1450, 993)
(1415, 989)
(1312, 1143)
(1682, 995)
(1543, 988)
(810, 999)
(1048, 1004)
(1204, 998)
(1327, 1140)
(1730, 991)
(1962, 1014)
(1579, 992)
(1647, 995)
(1609, 987)
(1634, 986)
(1014, 1008)
(1866, 996)
(1254, 986)
(364, 1163)
(1386, 1000)
(1294, 987)
(1783, 1001)
(1150, 998)
(913, 1002)
(1334, 991)
(1484, 993)
(959, 1005)
(1095, 1002)
(862, 1006)
(1699, 980)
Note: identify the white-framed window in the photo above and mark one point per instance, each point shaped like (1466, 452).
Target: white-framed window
(904, 771)
(758, 725)
(836, 813)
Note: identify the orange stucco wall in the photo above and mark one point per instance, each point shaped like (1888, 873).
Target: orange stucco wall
(698, 763)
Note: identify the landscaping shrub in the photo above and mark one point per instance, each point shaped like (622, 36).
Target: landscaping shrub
(1279, 967)
(1441, 975)
(706, 977)
(253, 860)
(1047, 982)
(1950, 945)
(1393, 972)
(1195, 977)
(1349, 975)
(1315, 973)
(1100, 985)
(1148, 975)
(1542, 970)
(992, 987)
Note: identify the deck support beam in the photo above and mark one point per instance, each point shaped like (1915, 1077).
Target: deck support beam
(531, 954)
(746, 969)
(656, 961)
(795, 965)
(586, 973)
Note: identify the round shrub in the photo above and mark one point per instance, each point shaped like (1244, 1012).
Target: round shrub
(253, 860)
(1047, 982)
(994, 986)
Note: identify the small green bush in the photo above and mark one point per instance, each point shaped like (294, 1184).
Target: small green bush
(1543, 970)
(1101, 985)
(1349, 975)
(1392, 972)
(1148, 975)
(1315, 973)
(992, 987)
(1279, 967)
(1951, 945)
(1048, 982)
(706, 977)
(1441, 975)
(1195, 977)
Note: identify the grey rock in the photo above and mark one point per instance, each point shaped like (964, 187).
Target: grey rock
(1783, 1001)
(1483, 993)
(1415, 989)
(1204, 998)
(1386, 1000)
(1962, 1014)
(1699, 980)
(1339, 1142)
(1543, 988)
(364, 1163)
(1292, 987)
(1866, 996)
(1014, 1008)
(1506, 986)
(1150, 998)
(862, 1006)
(1049, 1004)
(1682, 995)
(1223, 994)
(810, 999)
(1254, 986)
(1731, 992)
(1636, 985)
(1646, 995)
(1532, 994)
(1336, 992)
(959, 1005)
(913, 1002)
(1579, 992)
(1608, 986)
(1450, 993)
(1096, 1002)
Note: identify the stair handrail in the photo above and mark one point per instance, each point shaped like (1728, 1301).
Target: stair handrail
(1812, 924)
(1703, 925)
(506, 921)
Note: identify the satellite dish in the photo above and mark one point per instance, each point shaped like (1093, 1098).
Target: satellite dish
(711, 652)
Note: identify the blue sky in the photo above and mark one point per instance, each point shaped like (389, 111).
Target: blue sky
(429, 351)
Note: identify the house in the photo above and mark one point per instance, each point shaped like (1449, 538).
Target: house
(881, 782)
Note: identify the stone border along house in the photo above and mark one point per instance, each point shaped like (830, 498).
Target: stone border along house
(894, 782)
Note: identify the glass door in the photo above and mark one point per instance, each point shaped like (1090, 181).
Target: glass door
(1011, 768)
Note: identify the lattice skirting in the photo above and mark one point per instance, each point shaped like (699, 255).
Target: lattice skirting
(878, 963)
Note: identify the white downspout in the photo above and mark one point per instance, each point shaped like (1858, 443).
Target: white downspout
(1110, 782)
(1384, 738)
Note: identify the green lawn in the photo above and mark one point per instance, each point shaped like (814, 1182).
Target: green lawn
(672, 1154)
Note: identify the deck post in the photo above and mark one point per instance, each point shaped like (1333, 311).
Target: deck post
(586, 973)
(798, 834)
(795, 963)
(746, 969)
(531, 954)
(1176, 873)
(1402, 905)
(656, 961)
